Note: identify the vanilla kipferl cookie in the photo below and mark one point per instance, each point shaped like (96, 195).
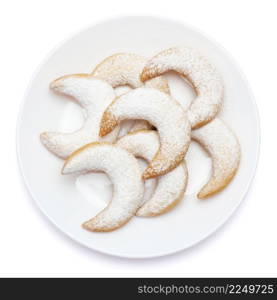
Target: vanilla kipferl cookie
(222, 145)
(164, 113)
(93, 95)
(200, 73)
(124, 69)
(170, 188)
(124, 172)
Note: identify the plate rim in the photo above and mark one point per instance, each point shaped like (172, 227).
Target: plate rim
(158, 18)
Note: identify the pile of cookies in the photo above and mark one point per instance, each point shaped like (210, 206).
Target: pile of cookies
(161, 133)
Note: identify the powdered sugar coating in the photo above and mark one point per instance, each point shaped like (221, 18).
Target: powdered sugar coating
(170, 187)
(223, 146)
(199, 71)
(165, 114)
(124, 69)
(124, 172)
(93, 95)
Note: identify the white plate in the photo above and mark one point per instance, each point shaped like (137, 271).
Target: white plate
(68, 201)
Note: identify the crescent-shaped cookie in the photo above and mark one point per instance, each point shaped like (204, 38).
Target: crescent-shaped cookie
(124, 69)
(200, 73)
(124, 172)
(93, 95)
(170, 187)
(163, 112)
(224, 149)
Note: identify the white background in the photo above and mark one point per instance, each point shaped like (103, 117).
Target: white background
(31, 246)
